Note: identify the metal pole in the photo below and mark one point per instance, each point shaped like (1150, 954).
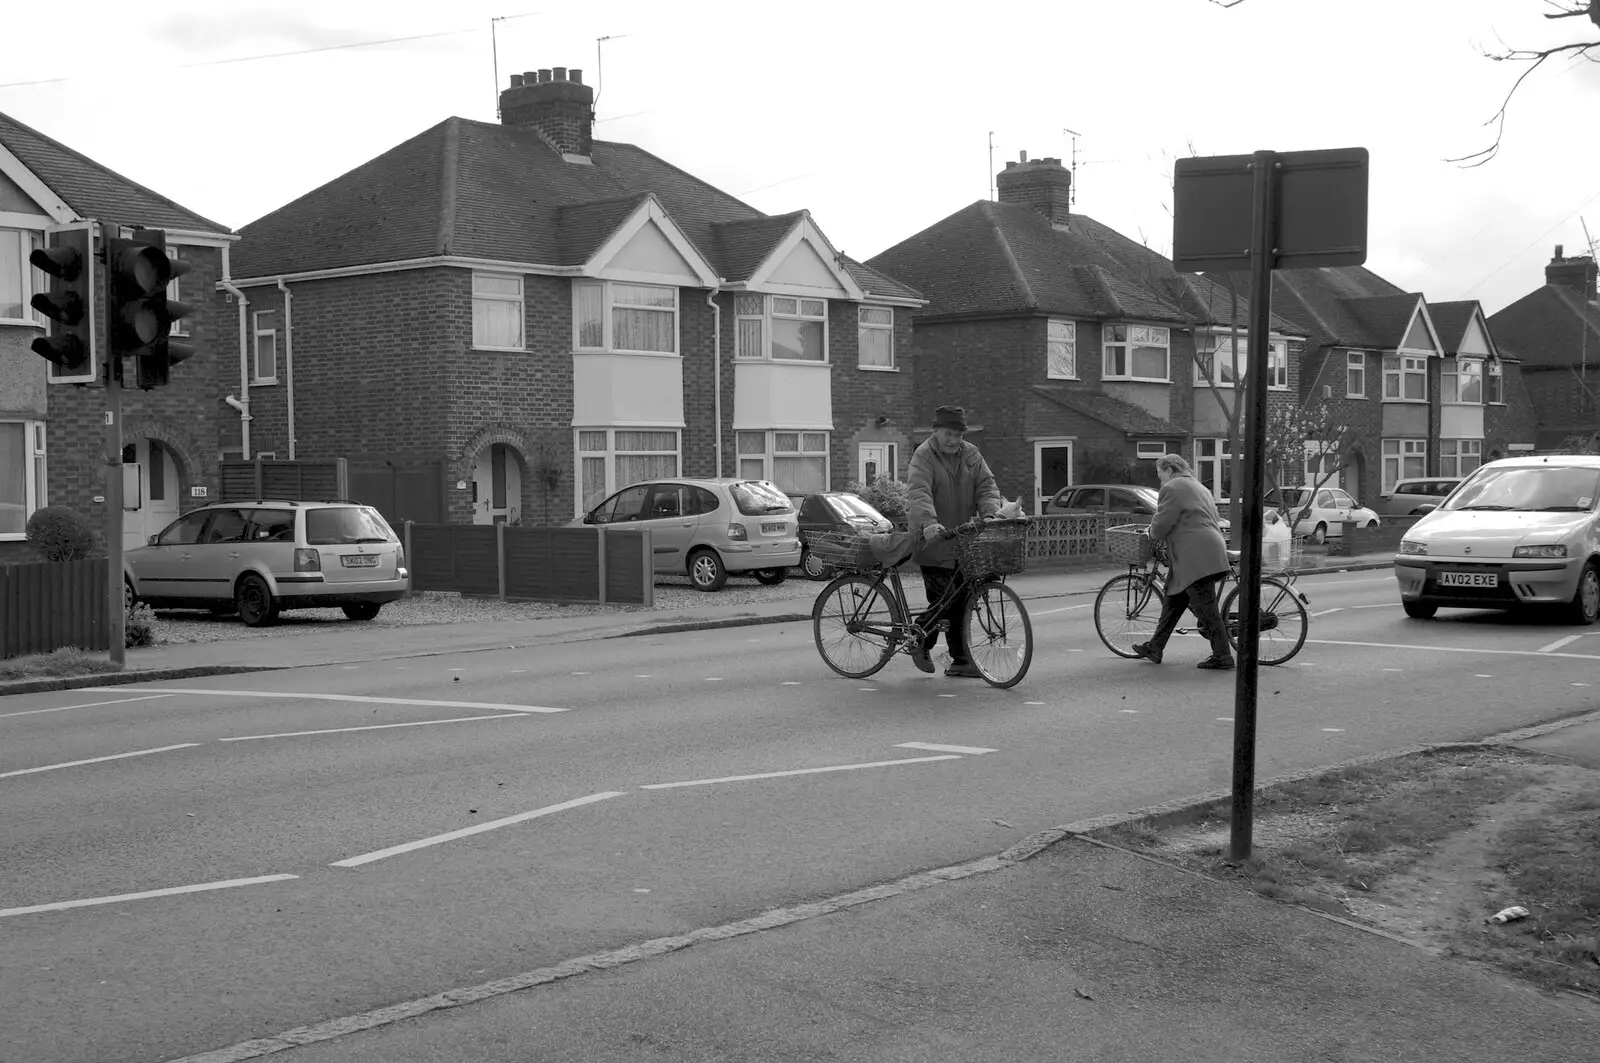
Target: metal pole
(1263, 238)
(118, 614)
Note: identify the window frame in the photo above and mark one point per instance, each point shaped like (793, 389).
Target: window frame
(1277, 360)
(769, 454)
(1456, 374)
(1128, 345)
(611, 453)
(519, 299)
(256, 333)
(1405, 447)
(180, 327)
(863, 327)
(1140, 447)
(608, 324)
(35, 472)
(1070, 344)
(1400, 372)
(1492, 371)
(1355, 362)
(31, 281)
(1455, 451)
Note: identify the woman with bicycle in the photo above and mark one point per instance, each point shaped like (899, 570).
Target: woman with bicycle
(1186, 521)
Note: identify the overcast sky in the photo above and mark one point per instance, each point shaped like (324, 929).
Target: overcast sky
(875, 116)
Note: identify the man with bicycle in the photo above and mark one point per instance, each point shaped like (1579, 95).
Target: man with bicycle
(1187, 521)
(949, 484)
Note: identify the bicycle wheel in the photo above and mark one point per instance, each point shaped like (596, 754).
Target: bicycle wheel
(1283, 621)
(1126, 611)
(855, 621)
(998, 633)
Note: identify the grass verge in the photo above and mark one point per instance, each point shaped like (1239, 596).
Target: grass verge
(62, 662)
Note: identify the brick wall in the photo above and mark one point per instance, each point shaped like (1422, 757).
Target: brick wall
(1514, 422)
(1384, 538)
(861, 397)
(1319, 366)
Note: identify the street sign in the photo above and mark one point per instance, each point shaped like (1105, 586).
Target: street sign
(1321, 210)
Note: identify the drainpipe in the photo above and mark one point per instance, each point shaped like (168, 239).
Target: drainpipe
(227, 285)
(716, 370)
(288, 354)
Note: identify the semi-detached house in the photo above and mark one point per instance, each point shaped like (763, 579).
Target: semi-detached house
(506, 322)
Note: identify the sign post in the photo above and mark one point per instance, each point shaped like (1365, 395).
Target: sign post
(1263, 212)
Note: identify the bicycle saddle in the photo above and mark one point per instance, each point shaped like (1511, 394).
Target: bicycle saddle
(1234, 556)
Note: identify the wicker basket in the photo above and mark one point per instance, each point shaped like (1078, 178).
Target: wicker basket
(1130, 544)
(998, 548)
(848, 551)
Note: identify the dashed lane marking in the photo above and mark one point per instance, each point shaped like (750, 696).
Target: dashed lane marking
(85, 705)
(1063, 609)
(1334, 730)
(974, 750)
(98, 760)
(378, 727)
(171, 891)
(799, 771)
(1558, 643)
(360, 699)
(1454, 649)
(1325, 612)
(465, 832)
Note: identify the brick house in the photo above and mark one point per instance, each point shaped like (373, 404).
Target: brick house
(52, 434)
(1555, 330)
(1421, 386)
(499, 322)
(1077, 352)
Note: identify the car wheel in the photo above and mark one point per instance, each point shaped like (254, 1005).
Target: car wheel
(362, 611)
(706, 571)
(1419, 611)
(1319, 535)
(254, 602)
(1585, 605)
(1371, 524)
(813, 567)
(771, 577)
(129, 599)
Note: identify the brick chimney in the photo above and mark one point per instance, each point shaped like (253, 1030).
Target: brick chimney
(1577, 273)
(556, 104)
(1043, 184)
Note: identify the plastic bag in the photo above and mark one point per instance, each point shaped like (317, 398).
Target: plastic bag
(1275, 541)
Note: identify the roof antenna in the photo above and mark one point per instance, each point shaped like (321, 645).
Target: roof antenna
(1072, 190)
(599, 71)
(494, 47)
(991, 165)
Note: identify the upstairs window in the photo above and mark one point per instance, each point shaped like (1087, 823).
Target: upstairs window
(1493, 385)
(18, 279)
(782, 328)
(265, 362)
(1228, 362)
(1061, 350)
(1136, 352)
(1461, 381)
(497, 311)
(875, 335)
(1355, 374)
(1405, 379)
(611, 316)
(180, 327)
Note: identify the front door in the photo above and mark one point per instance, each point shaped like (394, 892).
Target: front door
(1052, 469)
(877, 459)
(150, 480)
(1323, 469)
(496, 486)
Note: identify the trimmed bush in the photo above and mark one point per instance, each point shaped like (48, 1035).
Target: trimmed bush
(889, 497)
(61, 534)
(139, 629)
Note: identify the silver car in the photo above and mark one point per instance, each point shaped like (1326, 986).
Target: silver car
(259, 558)
(1409, 496)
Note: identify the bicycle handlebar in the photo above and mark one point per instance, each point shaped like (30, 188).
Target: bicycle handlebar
(977, 524)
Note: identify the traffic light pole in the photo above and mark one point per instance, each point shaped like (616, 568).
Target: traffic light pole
(116, 606)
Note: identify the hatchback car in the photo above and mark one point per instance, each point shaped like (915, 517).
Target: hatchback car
(1101, 498)
(259, 558)
(709, 528)
(1321, 513)
(834, 511)
(1409, 496)
(1517, 532)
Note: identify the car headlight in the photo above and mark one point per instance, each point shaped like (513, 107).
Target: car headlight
(1547, 550)
(1411, 546)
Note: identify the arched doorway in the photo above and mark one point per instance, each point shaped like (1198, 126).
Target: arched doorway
(497, 485)
(152, 479)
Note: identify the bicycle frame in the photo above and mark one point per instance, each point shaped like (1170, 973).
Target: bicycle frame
(911, 633)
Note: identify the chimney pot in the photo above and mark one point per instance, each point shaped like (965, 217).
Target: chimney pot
(575, 76)
(530, 77)
(1024, 156)
(544, 75)
(554, 103)
(1010, 165)
(1559, 248)
(516, 81)
(559, 73)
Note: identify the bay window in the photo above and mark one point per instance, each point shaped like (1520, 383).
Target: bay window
(22, 475)
(781, 328)
(1136, 352)
(610, 459)
(612, 316)
(1061, 350)
(1228, 362)
(19, 281)
(1403, 459)
(875, 337)
(1461, 381)
(1405, 379)
(497, 311)
(796, 461)
(1457, 457)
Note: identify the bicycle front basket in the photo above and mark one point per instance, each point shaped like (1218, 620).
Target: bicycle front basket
(847, 551)
(1130, 544)
(998, 548)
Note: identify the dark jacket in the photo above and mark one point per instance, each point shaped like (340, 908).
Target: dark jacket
(1186, 518)
(949, 490)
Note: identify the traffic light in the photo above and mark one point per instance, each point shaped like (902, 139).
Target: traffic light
(69, 348)
(138, 271)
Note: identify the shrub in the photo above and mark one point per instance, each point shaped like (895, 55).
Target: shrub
(61, 534)
(887, 496)
(140, 626)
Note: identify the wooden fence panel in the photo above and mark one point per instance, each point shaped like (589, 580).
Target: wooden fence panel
(454, 557)
(45, 606)
(630, 575)
(307, 481)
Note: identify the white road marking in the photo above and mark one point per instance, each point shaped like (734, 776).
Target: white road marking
(1455, 649)
(1033, 703)
(85, 705)
(797, 771)
(360, 699)
(1580, 684)
(790, 683)
(396, 850)
(948, 695)
(377, 727)
(713, 679)
(1131, 712)
(1380, 605)
(99, 760)
(1073, 649)
(870, 690)
(1349, 582)
(352, 668)
(1392, 669)
(518, 671)
(1064, 609)
(580, 673)
(1334, 730)
(169, 892)
(1224, 719)
(1325, 612)
(1558, 643)
(641, 677)
(1480, 675)
(974, 750)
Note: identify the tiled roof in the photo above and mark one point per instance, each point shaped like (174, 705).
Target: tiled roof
(743, 245)
(1451, 321)
(1123, 416)
(582, 227)
(93, 190)
(1384, 317)
(990, 258)
(1548, 326)
(1316, 298)
(875, 283)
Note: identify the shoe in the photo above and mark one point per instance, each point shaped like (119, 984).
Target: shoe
(1144, 649)
(920, 658)
(963, 670)
(1217, 664)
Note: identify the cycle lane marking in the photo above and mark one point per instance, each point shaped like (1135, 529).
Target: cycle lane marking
(360, 699)
(377, 727)
(479, 828)
(169, 891)
(85, 705)
(97, 760)
(799, 771)
(934, 748)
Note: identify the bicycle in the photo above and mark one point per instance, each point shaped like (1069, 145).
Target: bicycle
(862, 617)
(1128, 607)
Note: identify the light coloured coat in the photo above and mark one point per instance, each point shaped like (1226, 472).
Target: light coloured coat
(948, 489)
(1186, 520)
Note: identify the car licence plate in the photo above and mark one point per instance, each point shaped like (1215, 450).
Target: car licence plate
(1469, 579)
(359, 560)
(773, 528)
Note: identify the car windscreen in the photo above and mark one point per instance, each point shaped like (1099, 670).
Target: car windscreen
(756, 498)
(1530, 489)
(342, 525)
(854, 506)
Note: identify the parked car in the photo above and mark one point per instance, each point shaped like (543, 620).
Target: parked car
(709, 528)
(1517, 532)
(1318, 514)
(834, 511)
(260, 558)
(1409, 496)
(1119, 499)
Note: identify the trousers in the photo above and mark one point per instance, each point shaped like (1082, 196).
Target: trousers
(938, 582)
(1200, 598)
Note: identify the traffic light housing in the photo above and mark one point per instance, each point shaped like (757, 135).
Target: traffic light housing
(69, 304)
(138, 270)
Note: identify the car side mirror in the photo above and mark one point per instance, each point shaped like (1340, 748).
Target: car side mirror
(1427, 507)
(152, 540)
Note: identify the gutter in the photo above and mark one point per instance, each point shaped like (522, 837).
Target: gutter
(288, 355)
(243, 402)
